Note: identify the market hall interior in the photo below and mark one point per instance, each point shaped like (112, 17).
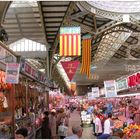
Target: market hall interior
(69, 65)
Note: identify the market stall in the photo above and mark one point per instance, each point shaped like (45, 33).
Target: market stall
(21, 104)
(5, 108)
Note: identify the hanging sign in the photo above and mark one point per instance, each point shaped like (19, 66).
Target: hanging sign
(91, 96)
(70, 41)
(110, 88)
(70, 68)
(134, 80)
(32, 72)
(121, 84)
(12, 73)
(95, 91)
(5, 55)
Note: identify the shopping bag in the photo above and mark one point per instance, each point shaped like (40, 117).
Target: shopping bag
(62, 130)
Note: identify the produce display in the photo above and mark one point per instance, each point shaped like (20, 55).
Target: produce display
(118, 124)
(132, 131)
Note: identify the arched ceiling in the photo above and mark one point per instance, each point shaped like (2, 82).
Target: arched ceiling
(42, 22)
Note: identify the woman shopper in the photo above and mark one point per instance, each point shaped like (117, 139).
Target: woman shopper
(45, 129)
(93, 122)
(53, 123)
(63, 127)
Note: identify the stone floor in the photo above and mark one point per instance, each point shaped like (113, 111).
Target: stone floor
(75, 120)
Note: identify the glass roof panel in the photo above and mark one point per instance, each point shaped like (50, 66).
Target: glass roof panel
(24, 4)
(131, 6)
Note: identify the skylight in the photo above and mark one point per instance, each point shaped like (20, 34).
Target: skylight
(26, 45)
(24, 4)
(131, 6)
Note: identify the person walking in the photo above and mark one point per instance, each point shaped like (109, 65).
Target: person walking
(45, 129)
(108, 126)
(77, 133)
(63, 127)
(98, 125)
(53, 123)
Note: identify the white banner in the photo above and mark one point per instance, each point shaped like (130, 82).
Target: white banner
(12, 73)
(95, 91)
(110, 88)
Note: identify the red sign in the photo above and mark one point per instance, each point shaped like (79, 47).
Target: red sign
(28, 68)
(134, 80)
(70, 68)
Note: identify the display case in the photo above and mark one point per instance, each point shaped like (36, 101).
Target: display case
(25, 122)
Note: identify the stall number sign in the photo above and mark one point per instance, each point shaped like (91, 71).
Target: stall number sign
(95, 92)
(110, 88)
(122, 84)
(6, 56)
(12, 73)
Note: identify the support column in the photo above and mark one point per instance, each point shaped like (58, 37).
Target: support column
(26, 96)
(13, 108)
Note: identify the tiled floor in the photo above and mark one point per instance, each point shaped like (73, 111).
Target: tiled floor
(75, 120)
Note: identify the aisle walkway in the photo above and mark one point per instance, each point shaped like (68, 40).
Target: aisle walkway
(75, 120)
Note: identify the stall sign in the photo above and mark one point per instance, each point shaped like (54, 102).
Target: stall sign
(134, 80)
(102, 91)
(12, 73)
(95, 91)
(33, 72)
(6, 56)
(121, 84)
(91, 96)
(28, 69)
(110, 88)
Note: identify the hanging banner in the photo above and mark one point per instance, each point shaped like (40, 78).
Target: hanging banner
(95, 91)
(70, 41)
(110, 88)
(86, 56)
(70, 68)
(12, 73)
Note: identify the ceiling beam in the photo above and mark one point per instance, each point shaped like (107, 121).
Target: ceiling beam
(107, 26)
(79, 14)
(95, 24)
(53, 6)
(42, 20)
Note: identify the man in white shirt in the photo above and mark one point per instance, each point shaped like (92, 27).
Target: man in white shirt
(77, 132)
(108, 126)
(98, 125)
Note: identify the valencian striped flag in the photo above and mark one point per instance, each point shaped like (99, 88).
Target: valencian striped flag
(70, 41)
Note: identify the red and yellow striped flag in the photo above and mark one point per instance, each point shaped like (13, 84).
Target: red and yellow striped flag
(70, 41)
(86, 55)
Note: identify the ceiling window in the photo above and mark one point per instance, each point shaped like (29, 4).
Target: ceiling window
(24, 45)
